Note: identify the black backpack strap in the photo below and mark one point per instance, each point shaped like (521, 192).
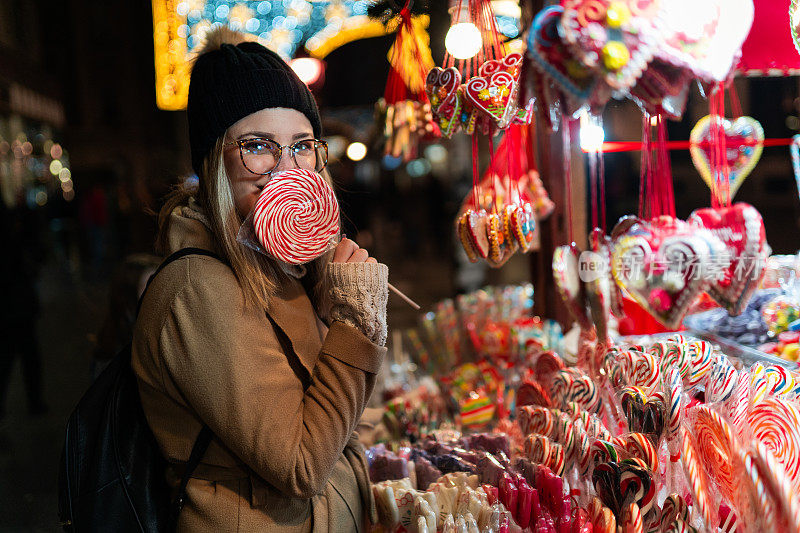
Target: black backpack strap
(204, 438)
(198, 450)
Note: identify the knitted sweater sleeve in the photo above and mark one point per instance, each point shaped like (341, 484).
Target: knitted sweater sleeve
(358, 297)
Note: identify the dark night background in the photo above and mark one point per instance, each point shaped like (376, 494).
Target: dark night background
(94, 61)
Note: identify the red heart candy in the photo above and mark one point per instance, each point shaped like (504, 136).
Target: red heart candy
(493, 91)
(741, 229)
(441, 86)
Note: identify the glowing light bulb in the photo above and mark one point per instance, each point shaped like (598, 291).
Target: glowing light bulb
(463, 40)
(356, 151)
(308, 69)
(592, 134)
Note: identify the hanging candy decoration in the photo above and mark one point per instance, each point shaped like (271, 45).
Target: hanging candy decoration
(442, 86)
(739, 272)
(613, 37)
(794, 148)
(511, 187)
(663, 264)
(488, 98)
(493, 92)
(743, 143)
(575, 83)
(794, 22)
(490, 228)
(405, 110)
(724, 153)
(708, 43)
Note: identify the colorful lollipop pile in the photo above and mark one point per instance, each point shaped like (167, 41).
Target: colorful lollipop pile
(493, 322)
(480, 490)
(682, 438)
(665, 436)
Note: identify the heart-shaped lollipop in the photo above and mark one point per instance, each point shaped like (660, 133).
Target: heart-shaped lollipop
(744, 141)
(493, 91)
(441, 86)
(568, 282)
(663, 265)
(741, 228)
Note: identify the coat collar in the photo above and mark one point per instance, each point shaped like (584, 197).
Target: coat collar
(290, 309)
(189, 228)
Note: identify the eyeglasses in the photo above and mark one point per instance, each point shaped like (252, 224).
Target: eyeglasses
(262, 156)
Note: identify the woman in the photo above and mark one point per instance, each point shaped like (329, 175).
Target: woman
(238, 344)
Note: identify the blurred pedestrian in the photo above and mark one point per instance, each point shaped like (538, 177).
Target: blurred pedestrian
(21, 257)
(94, 220)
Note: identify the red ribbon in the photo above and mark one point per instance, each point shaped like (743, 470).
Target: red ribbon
(635, 146)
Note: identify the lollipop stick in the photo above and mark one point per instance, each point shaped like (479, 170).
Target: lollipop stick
(405, 298)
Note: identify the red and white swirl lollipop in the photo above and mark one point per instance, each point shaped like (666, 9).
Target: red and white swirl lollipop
(296, 216)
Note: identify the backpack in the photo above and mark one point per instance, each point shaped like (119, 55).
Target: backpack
(112, 473)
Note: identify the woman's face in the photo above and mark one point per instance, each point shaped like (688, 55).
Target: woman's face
(282, 125)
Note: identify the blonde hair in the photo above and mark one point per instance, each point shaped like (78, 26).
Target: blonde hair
(259, 276)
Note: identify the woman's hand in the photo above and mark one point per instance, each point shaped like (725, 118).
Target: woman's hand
(347, 251)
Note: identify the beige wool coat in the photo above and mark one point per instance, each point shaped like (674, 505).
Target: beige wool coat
(282, 393)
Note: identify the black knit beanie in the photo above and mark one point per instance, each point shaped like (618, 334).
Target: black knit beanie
(233, 81)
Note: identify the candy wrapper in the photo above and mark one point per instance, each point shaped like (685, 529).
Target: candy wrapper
(780, 312)
(779, 269)
(295, 219)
